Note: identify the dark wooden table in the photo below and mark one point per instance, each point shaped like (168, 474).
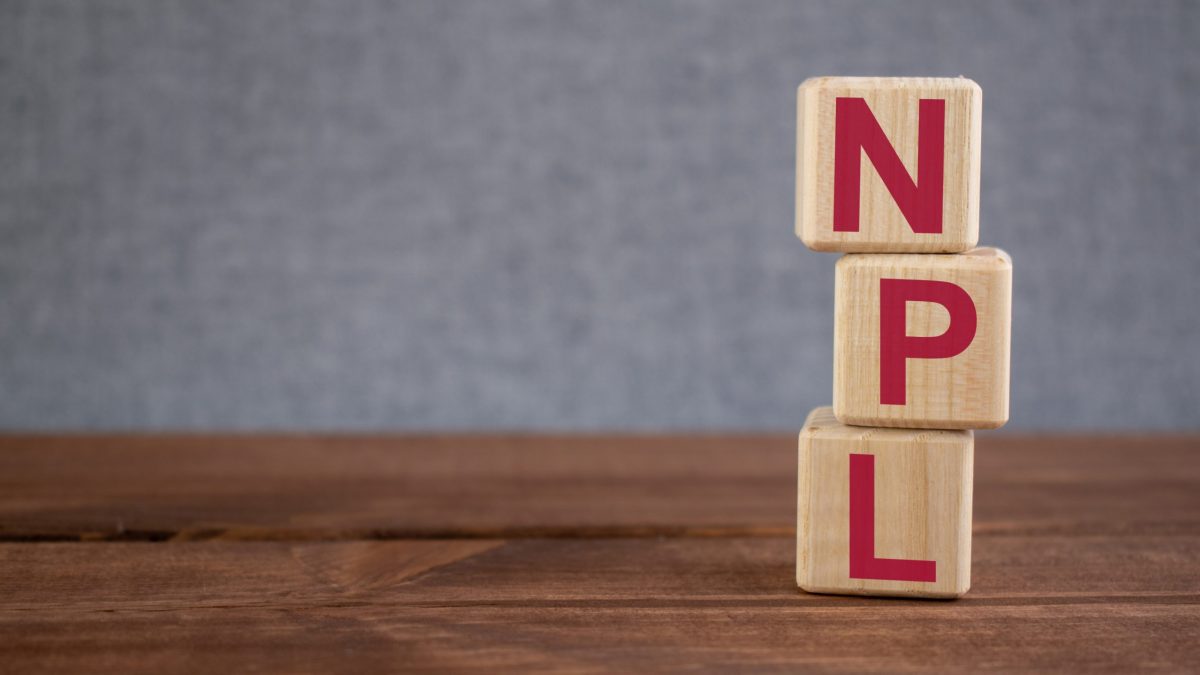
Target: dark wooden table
(607, 554)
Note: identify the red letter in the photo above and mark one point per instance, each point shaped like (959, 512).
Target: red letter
(863, 563)
(896, 345)
(920, 202)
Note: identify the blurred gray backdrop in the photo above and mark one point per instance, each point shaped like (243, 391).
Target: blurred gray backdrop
(554, 215)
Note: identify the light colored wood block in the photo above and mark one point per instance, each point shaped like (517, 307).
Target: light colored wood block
(859, 184)
(923, 340)
(883, 511)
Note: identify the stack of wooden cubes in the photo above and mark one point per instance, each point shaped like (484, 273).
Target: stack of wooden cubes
(888, 173)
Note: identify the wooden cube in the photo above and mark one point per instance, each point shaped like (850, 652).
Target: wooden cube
(883, 511)
(888, 164)
(922, 340)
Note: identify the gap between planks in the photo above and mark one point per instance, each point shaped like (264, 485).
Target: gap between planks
(250, 534)
(281, 535)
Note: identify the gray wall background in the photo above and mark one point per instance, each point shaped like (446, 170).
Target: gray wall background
(554, 215)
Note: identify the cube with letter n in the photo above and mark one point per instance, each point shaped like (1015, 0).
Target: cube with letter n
(888, 164)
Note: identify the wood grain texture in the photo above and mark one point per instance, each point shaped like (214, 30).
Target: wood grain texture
(1040, 602)
(965, 391)
(360, 487)
(1086, 552)
(894, 103)
(921, 508)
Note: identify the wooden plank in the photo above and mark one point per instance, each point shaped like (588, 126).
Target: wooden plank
(354, 487)
(1040, 602)
(362, 487)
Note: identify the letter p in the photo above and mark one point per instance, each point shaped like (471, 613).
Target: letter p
(896, 346)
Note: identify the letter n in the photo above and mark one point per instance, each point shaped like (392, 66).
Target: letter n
(855, 128)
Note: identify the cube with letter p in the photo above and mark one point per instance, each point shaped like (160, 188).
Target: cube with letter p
(888, 164)
(923, 340)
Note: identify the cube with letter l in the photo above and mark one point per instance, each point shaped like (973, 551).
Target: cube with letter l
(883, 511)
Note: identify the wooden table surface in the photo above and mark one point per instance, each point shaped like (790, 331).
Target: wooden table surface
(600, 554)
